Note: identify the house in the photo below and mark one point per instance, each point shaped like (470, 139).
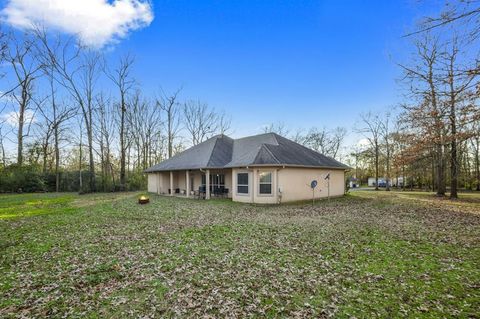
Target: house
(265, 168)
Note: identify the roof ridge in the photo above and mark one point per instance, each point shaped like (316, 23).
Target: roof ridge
(265, 146)
(269, 151)
(213, 149)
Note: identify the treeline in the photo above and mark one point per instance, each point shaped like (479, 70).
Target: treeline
(433, 141)
(80, 122)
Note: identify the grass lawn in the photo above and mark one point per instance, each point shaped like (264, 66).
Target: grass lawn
(368, 254)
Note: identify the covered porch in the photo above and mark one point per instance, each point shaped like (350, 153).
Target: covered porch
(202, 184)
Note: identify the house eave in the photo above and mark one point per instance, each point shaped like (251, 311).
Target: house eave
(250, 165)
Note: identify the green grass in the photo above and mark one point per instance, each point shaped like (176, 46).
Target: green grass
(365, 255)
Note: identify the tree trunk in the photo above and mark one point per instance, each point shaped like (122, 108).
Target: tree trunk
(57, 160)
(44, 158)
(376, 167)
(440, 171)
(477, 162)
(21, 122)
(80, 179)
(122, 145)
(91, 161)
(453, 144)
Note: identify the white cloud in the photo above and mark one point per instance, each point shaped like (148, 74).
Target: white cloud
(96, 22)
(11, 118)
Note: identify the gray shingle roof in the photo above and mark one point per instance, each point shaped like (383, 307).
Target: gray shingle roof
(265, 149)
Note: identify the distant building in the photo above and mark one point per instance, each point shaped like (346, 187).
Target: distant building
(382, 182)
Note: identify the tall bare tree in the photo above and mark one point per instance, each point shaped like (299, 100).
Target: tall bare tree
(388, 146)
(25, 70)
(171, 107)
(123, 80)
(55, 114)
(105, 127)
(77, 70)
(371, 129)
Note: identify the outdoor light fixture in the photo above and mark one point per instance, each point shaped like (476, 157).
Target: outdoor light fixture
(143, 200)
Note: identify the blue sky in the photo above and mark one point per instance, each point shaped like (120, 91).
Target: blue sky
(302, 63)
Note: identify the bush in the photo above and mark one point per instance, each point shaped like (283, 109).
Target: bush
(26, 178)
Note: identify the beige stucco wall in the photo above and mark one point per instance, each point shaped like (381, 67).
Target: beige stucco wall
(152, 183)
(158, 182)
(295, 183)
(289, 184)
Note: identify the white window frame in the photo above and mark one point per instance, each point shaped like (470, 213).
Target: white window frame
(237, 184)
(272, 190)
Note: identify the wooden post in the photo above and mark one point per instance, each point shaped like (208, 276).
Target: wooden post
(187, 182)
(171, 184)
(207, 184)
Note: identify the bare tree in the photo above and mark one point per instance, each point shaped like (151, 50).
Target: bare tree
(466, 13)
(171, 107)
(124, 82)
(77, 70)
(25, 70)
(388, 146)
(105, 126)
(371, 129)
(327, 142)
(145, 121)
(224, 123)
(279, 128)
(55, 118)
(3, 52)
(200, 121)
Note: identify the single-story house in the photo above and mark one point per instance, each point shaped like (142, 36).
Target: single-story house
(265, 168)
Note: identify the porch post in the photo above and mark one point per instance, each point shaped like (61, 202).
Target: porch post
(187, 182)
(207, 184)
(171, 184)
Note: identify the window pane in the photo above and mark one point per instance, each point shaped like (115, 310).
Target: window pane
(242, 179)
(265, 188)
(265, 177)
(204, 179)
(242, 189)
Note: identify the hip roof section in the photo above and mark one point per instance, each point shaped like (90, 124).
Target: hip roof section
(266, 149)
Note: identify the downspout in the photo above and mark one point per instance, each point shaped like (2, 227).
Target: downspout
(279, 189)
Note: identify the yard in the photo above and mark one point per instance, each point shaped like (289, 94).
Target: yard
(367, 254)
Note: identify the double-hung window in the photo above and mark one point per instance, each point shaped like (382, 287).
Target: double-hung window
(242, 183)
(265, 183)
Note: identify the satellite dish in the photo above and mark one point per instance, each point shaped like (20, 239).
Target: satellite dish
(313, 184)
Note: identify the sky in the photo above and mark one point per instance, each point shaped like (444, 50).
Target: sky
(301, 63)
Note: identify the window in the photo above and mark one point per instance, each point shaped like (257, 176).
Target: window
(242, 183)
(265, 183)
(216, 180)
